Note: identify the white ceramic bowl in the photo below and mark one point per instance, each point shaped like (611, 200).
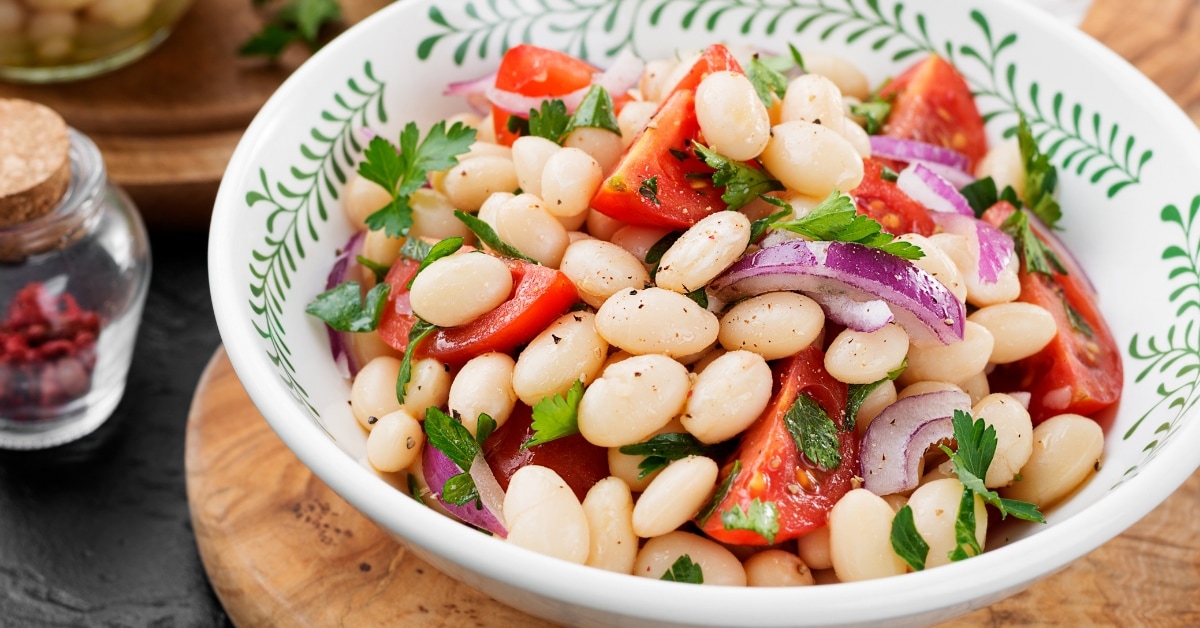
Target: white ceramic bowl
(1129, 162)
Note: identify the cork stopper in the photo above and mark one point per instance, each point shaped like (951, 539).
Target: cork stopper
(35, 163)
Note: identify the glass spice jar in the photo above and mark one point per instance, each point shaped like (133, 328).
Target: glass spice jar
(74, 274)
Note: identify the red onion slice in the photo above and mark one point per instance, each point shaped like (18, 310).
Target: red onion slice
(896, 441)
(926, 309)
(621, 77)
(914, 150)
(931, 190)
(344, 269)
(520, 105)
(438, 468)
(958, 178)
(992, 247)
(474, 90)
(864, 316)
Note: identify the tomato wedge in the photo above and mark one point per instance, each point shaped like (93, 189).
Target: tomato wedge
(888, 205)
(539, 296)
(1080, 371)
(579, 463)
(532, 71)
(716, 58)
(934, 104)
(397, 318)
(774, 470)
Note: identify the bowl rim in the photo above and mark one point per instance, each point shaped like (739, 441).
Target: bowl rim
(1014, 566)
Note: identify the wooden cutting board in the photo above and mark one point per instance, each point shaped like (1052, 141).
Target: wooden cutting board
(281, 548)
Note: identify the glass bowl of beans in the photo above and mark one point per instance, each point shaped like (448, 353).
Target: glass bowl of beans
(703, 320)
(58, 40)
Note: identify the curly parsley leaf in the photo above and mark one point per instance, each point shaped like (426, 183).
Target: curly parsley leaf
(595, 111)
(769, 83)
(649, 189)
(976, 447)
(718, 496)
(444, 248)
(966, 543)
(907, 542)
(415, 335)
(1038, 257)
(858, 394)
(379, 270)
(556, 416)
(299, 20)
(460, 489)
(836, 219)
(345, 308)
(684, 570)
(760, 226)
(550, 121)
(762, 517)
(661, 449)
(700, 296)
(742, 182)
(1041, 178)
(875, 111)
(488, 236)
(404, 172)
(451, 437)
(814, 432)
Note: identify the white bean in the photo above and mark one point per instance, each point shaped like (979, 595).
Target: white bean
(633, 119)
(655, 320)
(860, 527)
(530, 154)
(883, 396)
(472, 181)
(1066, 450)
(953, 363)
(812, 159)
(632, 399)
(777, 568)
(457, 289)
(433, 217)
(1004, 164)
(363, 197)
(491, 207)
(816, 99)
(857, 136)
(601, 226)
(717, 564)
(937, 263)
(569, 349)
(858, 357)
(773, 325)
(638, 240)
(654, 77)
(600, 269)
(373, 393)
(674, 496)
(727, 396)
(848, 78)
(524, 223)
(976, 386)
(569, 180)
(1014, 436)
(926, 386)
(609, 509)
(935, 511)
(395, 442)
(704, 251)
(542, 514)
(429, 387)
(381, 248)
(813, 549)
(1007, 286)
(732, 117)
(603, 146)
(484, 385)
(367, 346)
(1020, 329)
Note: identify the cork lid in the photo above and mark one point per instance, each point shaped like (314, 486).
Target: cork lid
(35, 164)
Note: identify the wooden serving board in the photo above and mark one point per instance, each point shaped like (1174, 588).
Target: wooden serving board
(281, 548)
(167, 124)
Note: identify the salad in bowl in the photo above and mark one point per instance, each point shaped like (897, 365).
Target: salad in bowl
(786, 296)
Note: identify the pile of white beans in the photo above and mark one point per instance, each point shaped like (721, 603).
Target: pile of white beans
(653, 361)
(39, 32)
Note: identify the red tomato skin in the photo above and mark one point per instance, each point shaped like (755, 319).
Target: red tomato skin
(681, 201)
(716, 58)
(772, 465)
(394, 324)
(533, 71)
(934, 104)
(888, 205)
(579, 463)
(1075, 373)
(539, 296)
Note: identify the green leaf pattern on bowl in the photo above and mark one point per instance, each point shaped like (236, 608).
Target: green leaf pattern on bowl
(1079, 141)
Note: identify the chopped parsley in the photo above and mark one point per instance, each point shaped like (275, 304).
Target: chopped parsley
(684, 570)
(345, 308)
(488, 236)
(550, 122)
(875, 111)
(981, 194)
(742, 182)
(762, 518)
(907, 542)
(595, 111)
(419, 331)
(1038, 257)
(770, 84)
(718, 496)
(649, 189)
(662, 449)
(976, 447)
(1041, 178)
(454, 440)
(445, 248)
(835, 219)
(404, 172)
(858, 393)
(415, 249)
(654, 255)
(556, 416)
(699, 296)
(379, 270)
(814, 432)
(760, 226)
(298, 20)
(966, 544)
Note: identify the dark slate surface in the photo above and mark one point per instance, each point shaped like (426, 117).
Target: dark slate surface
(99, 534)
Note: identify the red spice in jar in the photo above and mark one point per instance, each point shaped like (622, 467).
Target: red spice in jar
(47, 352)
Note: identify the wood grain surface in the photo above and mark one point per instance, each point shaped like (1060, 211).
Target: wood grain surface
(281, 548)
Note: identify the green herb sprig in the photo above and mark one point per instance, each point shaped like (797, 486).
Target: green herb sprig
(556, 416)
(814, 432)
(742, 182)
(835, 219)
(345, 308)
(662, 449)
